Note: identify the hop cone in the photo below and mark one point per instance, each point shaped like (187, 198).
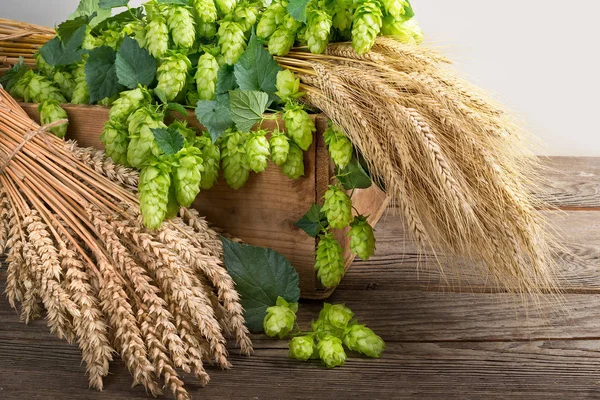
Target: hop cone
(337, 208)
(81, 93)
(206, 30)
(339, 146)
(233, 160)
(331, 352)
(363, 340)
(111, 37)
(225, 7)
(293, 166)
(317, 31)
(66, 84)
(89, 41)
(329, 261)
(362, 238)
(281, 41)
(339, 316)
(395, 8)
(288, 86)
(155, 181)
(42, 66)
(367, 24)
(20, 87)
(258, 151)
(108, 101)
(191, 97)
(342, 15)
(232, 41)
(157, 36)
(181, 23)
(142, 145)
(41, 89)
(407, 32)
(280, 318)
(136, 30)
(211, 156)
(50, 111)
(280, 147)
(116, 140)
(128, 102)
(187, 175)
(172, 75)
(206, 10)
(299, 125)
(302, 347)
(245, 15)
(270, 19)
(206, 76)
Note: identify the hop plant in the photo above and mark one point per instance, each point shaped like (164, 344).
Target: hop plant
(207, 30)
(188, 175)
(157, 35)
(66, 84)
(128, 102)
(232, 41)
(281, 41)
(318, 29)
(116, 140)
(225, 7)
(368, 19)
(112, 37)
(302, 347)
(280, 318)
(331, 352)
(299, 125)
(81, 92)
(288, 86)
(245, 15)
(362, 238)
(206, 10)
(42, 66)
(293, 167)
(233, 160)
(339, 146)
(136, 30)
(258, 151)
(206, 76)
(41, 89)
(363, 340)
(51, 111)
(142, 145)
(182, 26)
(270, 20)
(342, 15)
(337, 208)
(211, 156)
(280, 147)
(155, 181)
(172, 75)
(329, 261)
(407, 32)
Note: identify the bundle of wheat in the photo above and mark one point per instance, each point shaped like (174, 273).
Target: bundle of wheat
(74, 241)
(20, 39)
(453, 160)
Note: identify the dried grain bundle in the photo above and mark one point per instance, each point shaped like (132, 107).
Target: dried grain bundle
(21, 39)
(452, 159)
(76, 245)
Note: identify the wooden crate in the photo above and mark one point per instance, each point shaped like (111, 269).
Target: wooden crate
(264, 211)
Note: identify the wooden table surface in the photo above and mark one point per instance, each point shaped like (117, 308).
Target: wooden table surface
(448, 337)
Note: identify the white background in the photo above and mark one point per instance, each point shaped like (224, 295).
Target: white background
(542, 57)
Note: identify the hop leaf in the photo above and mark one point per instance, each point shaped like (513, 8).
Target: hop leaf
(363, 340)
(280, 147)
(288, 86)
(302, 347)
(257, 151)
(280, 319)
(299, 125)
(362, 238)
(51, 111)
(116, 141)
(293, 166)
(233, 160)
(331, 352)
(329, 261)
(339, 146)
(337, 208)
(155, 181)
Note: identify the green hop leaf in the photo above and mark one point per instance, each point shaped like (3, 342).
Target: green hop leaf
(362, 238)
(101, 74)
(215, 115)
(108, 4)
(247, 107)
(13, 75)
(302, 347)
(337, 207)
(64, 52)
(363, 340)
(297, 9)
(226, 79)
(354, 176)
(169, 141)
(256, 69)
(313, 222)
(331, 352)
(135, 66)
(88, 8)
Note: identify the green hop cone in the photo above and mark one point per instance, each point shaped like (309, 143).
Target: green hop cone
(329, 261)
(173, 205)
(245, 15)
(89, 41)
(172, 75)
(128, 102)
(339, 146)
(280, 318)
(19, 88)
(367, 25)
(225, 7)
(81, 92)
(142, 146)
(188, 175)
(136, 30)
(342, 15)
(317, 31)
(233, 160)
(206, 10)
(206, 76)
(280, 147)
(281, 41)
(331, 351)
(339, 316)
(302, 347)
(191, 97)
(270, 19)
(258, 151)
(299, 125)
(42, 66)
(288, 86)
(337, 208)
(407, 32)
(362, 238)
(181, 23)
(116, 140)
(293, 167)
(395, 8)
(108, 101)
(211, 156)
(363, 340)
(232, 41)
(157, 36)
(41, 89)
(111, 37)
(50, 111)
(206, 30)
(155, 182)
(66, 84)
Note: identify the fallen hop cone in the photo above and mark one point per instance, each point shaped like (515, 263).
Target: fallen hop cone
(331, 352)
(299, 125)
(302, 348)
(293, 167)
(50, 111)
(280, 318)
(339, 316)
(339, 146)
(362, 238)
(337, 208)
(258, 151)
(280, 147)
(363, 340)
(329, 262)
